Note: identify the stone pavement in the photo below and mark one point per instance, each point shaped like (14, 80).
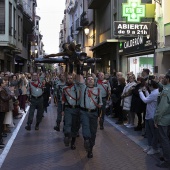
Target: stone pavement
(117, 148)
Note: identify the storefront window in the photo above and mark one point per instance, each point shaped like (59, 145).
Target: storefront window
(136, 64)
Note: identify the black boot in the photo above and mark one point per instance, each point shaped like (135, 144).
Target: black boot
(57, 127)
(73, 147)
(87, 144)
(28, 127)
(90, 153)
(101, 124)
(37, 126)
(67, 139)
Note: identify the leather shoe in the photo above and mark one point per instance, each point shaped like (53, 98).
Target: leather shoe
(73, 147)
(101, 127)
(4, 135)
(90, 154)
(57, 128)
(164, 164)
(66, 141)
(36, 127)
(28, 127)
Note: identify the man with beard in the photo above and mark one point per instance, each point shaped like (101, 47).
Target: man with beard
(35, 93)
(70, 109)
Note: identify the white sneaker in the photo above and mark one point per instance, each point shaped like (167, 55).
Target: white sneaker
(130, 126)
(126, 124)
(147, 149)
(153, 151)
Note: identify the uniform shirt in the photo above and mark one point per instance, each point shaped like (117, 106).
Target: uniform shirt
(71, 95)
(36, 91)
(90, 97)
(104, 87)
(58, 89)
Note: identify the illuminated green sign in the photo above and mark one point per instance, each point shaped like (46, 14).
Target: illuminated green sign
(133, 10)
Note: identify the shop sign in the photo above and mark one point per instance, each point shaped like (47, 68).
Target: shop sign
(126, 29)
(136, 44)
(133, 10)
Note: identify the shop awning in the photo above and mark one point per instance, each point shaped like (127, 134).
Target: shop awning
(105, 42)
(166, 49)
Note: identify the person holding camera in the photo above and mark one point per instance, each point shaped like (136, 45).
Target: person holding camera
(162, 120)
(151, 101)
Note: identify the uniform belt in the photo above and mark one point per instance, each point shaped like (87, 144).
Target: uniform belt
(72, 106)
(88, 110)
(36, 97)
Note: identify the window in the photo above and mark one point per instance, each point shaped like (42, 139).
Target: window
(10, 19)
(8, 66)
(2, 16)
(1, 65)
(19, 31)
(14, 23)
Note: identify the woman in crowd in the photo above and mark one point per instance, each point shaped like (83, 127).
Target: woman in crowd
(23, 92)
(4, 107)
(126, 100)
(137, 105)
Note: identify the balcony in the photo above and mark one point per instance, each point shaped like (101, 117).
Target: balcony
(27, 9)
(96, 4)
(84, 19)
(78, 26)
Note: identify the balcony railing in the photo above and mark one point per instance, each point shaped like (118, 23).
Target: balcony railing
(2, 28)
(84, 19)
(27, 9)
(78, 27)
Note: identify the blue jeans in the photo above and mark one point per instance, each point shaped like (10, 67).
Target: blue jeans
(152, 133)
(164, 140)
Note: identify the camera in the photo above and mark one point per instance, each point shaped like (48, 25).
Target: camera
(151, 77)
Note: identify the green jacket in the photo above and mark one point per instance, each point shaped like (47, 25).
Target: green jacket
(162, 114)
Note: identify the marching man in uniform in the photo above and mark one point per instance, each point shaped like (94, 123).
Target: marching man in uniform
(70, 109)
(35, 93)
(58, 93)
(90, 102)
(105, 89)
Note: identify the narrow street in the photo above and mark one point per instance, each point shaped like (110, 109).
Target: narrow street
(45, 150)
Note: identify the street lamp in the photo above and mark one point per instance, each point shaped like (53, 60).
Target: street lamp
(86, 31)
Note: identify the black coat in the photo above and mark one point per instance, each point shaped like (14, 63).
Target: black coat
(137, 105)
(46, 94)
